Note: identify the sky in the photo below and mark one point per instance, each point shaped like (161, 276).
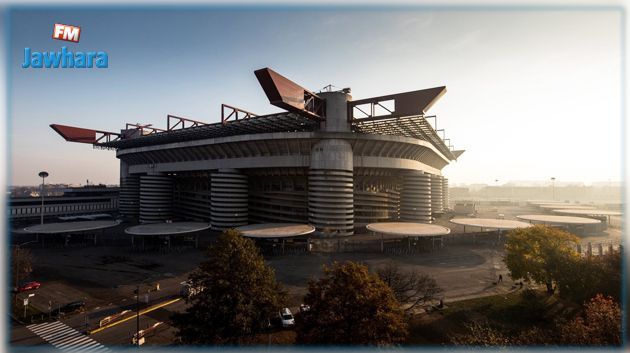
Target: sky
(531, 94)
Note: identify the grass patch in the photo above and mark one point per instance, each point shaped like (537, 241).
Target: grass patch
(513, 312)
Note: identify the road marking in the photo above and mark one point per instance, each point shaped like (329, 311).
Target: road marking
(142, 312)
(64, 337)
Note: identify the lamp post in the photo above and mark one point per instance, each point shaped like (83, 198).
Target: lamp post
(553, 188)
(42, 175)
(496, 188)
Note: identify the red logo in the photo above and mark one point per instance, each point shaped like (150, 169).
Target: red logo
(66, 32)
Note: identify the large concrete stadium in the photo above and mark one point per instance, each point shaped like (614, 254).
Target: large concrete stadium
(330, 161)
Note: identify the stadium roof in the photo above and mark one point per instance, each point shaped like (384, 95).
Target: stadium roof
(409, 126)
(415, 126)
(283, 122)
(305, 111)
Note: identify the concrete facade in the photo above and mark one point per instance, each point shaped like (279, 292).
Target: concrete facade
(333, 178)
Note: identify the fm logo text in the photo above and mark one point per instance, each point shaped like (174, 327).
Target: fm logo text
(66, 32)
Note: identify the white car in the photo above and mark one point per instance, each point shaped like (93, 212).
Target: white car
(286, 317)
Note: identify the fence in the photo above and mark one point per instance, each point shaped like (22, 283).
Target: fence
(599, 248)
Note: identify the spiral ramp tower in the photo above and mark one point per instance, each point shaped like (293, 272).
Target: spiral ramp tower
(445, 194)
(228, 199)
(331, 188)
(129, 199)
(436, 194)
(375, 206)
(416, 197)
(156, 198)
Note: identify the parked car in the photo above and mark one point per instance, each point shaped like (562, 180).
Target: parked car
(286, 317)
(71, 307)
(28, 286)
(187, 290)
(304, 308)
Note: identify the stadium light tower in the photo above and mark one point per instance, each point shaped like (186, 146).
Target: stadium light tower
(43, 175)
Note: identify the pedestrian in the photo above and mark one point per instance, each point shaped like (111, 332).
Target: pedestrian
(500, 278)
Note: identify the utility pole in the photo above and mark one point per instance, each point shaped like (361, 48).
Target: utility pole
(138, 315)
(553, 188)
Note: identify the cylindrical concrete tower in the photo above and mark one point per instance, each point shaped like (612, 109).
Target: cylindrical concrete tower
(415, 197)
(129, 196)
(436, 194)
(330, 177)
(445, 193)
(228, 199)
(156, 198)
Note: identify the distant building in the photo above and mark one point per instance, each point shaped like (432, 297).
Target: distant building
(74, 202)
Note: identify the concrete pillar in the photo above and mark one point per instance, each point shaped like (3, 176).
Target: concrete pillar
(156, 198)
(415, 197)
(228, 199)
(436, 194)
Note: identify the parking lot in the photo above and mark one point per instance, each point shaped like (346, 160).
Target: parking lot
(105, 277)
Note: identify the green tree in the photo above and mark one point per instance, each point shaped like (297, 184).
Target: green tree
(610, 275)
(21, 265)
(411, 287)
(350, 305)
(584, 277)
(539, 253)
(239, 294)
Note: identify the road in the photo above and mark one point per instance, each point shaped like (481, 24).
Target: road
(119, 334)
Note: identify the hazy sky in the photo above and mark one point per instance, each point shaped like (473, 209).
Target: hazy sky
(531, 94)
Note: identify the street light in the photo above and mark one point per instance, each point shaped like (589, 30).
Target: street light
(43, 175)
(496, 188)
(553, 188)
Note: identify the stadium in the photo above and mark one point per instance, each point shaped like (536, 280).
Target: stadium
(328, 160)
